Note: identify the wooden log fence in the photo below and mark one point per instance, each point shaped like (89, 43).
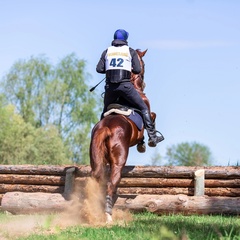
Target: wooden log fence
(138, 186)
(32, 179)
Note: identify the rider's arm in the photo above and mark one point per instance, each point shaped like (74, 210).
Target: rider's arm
(101, 64)
(136, 66)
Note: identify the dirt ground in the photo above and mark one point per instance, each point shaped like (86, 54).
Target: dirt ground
(82, 212)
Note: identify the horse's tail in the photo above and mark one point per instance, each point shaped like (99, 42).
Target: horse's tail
(98, 151)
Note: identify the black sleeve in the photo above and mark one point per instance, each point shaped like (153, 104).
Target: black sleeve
(101, 64)
(136, 66)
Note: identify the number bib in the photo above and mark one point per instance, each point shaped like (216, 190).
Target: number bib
(118, 58)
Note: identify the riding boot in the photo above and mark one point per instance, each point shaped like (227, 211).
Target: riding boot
(149, 125)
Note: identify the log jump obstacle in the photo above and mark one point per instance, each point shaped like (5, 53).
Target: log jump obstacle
(188, 190)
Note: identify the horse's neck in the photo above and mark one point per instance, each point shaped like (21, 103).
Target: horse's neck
(138, 83)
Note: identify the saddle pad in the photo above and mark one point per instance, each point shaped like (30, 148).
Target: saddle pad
(118, 111)
(131, 114)
(137, 119)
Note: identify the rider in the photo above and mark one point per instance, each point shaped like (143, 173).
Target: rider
(117, 62)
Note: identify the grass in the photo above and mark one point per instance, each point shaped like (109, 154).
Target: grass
(144, 226)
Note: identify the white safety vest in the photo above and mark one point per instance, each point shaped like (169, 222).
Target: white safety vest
(118, 58)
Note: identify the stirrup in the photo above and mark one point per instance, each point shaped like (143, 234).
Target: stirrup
(152, 142)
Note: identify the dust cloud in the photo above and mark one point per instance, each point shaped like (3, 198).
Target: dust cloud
(86, 208)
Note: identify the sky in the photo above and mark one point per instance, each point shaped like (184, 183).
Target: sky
(192, 66)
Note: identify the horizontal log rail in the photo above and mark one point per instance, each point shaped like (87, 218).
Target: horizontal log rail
(228, 172)
(32, 203)
(32, 179)
(171, 182)
(156, 189)
(214, 172)
(228, 192)
(165, 204)
(4, 188)
(181, 172)
(136, 180)
(33, 169)
(174, 182)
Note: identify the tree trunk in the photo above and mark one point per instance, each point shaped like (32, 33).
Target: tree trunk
(155, 182)
(171, 182)
(165, 204)
(30, 203)
(181, 172)
(4, 188)
(33, 169)
(227, 172)
(32, 179)
(176, 182)
(228, 192)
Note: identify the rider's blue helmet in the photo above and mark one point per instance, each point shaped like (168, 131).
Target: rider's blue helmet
(121, 34)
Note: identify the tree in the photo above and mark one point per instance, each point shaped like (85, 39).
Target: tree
(21, 143)
(55, 95)
(188, 154)
(23, 87)
(156, 159)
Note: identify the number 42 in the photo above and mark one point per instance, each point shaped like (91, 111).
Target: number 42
(116, 62)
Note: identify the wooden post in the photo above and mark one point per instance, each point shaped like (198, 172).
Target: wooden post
(69, 183)
(199, 182)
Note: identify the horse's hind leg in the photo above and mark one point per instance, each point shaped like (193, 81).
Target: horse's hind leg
(114, 179)
(98, 174)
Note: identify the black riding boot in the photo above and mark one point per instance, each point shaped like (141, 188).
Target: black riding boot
(153, 138)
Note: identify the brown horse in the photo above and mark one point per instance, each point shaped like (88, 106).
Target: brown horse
(110, 142)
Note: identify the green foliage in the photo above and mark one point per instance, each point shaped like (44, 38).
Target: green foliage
(188, 154)
(24, 84)
(46, 95)
(21, 143)
(156, 159)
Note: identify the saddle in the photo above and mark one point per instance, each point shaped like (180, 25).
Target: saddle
(131, 113)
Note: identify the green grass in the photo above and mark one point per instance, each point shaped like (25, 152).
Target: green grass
(147, 226)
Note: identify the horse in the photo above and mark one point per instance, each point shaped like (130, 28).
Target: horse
(111, 139)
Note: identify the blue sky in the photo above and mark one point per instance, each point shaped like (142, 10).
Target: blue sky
(192, 63)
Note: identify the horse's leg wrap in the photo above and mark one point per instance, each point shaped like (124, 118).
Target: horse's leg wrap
(108, 206)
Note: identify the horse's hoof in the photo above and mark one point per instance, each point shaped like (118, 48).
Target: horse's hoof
(108, 218)
(141, 147)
